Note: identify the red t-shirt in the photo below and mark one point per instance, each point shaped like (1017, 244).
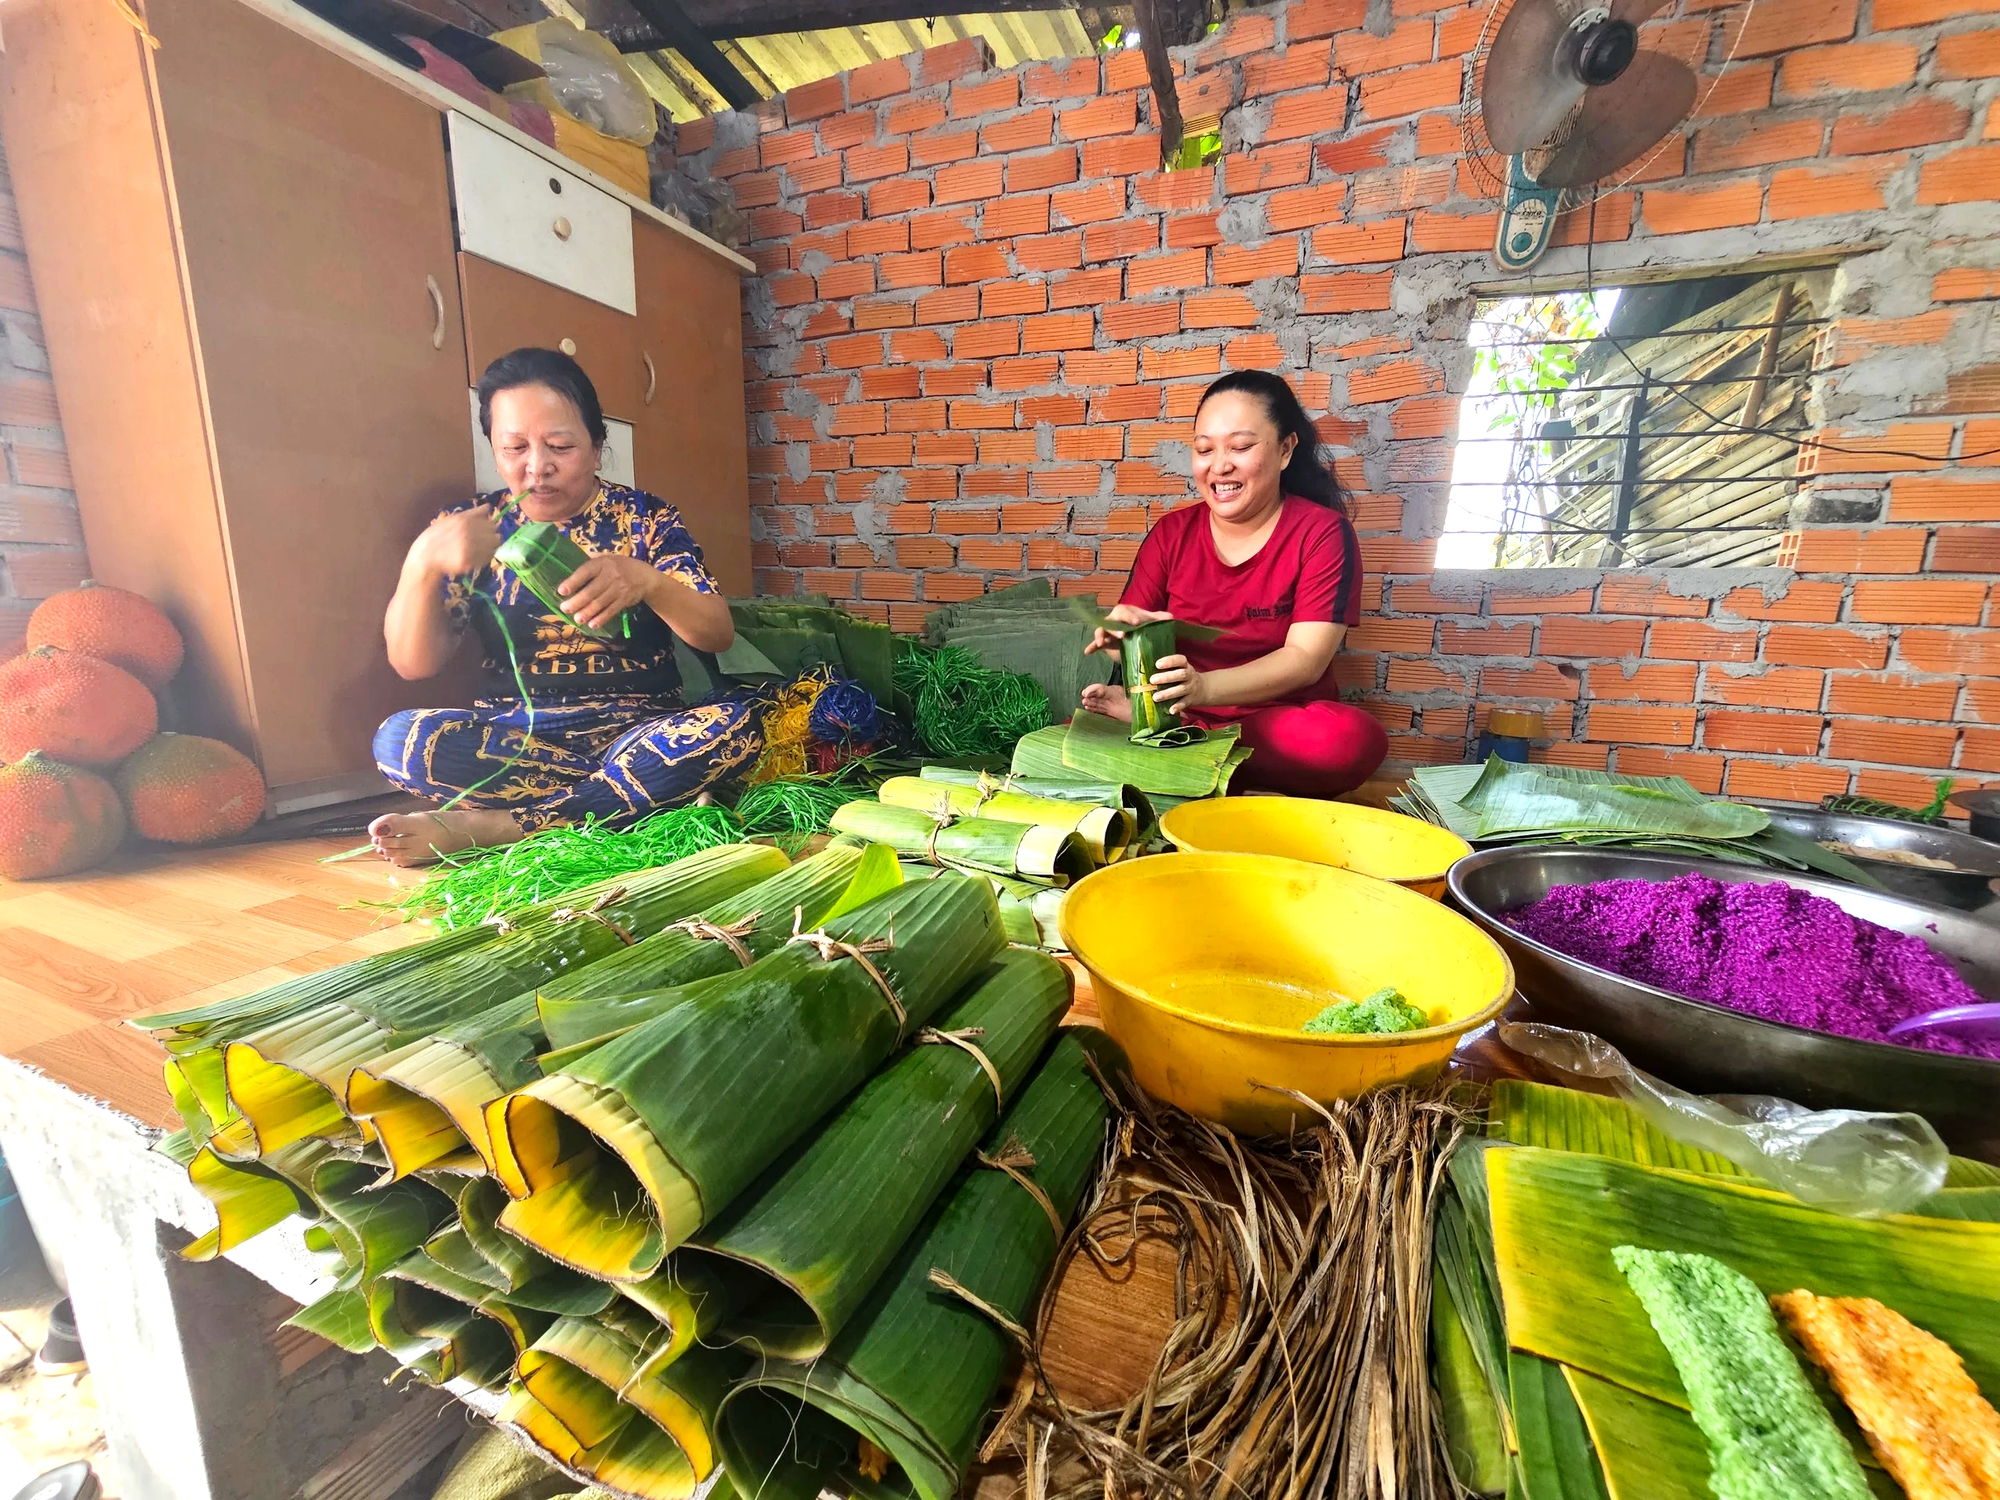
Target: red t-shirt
(1309, 569)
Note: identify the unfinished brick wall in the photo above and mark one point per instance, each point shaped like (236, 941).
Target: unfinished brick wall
(41, 540)
(984, 318)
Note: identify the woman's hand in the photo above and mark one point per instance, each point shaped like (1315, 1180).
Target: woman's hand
(605, 587)
(1109, 699)
(460, 544)
(1126, 614)
(1177, 686)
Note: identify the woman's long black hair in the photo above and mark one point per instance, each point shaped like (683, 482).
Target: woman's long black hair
(549, 367)
(1306, 474)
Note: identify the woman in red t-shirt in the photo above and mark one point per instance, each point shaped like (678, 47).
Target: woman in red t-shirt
(1271, 558)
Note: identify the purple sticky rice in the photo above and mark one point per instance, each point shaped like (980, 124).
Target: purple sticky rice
(1766, 949)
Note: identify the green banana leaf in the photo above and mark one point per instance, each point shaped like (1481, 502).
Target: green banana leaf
(824, 1223)
(633, 986)
(1102, 748)
(916, 1369)
(621, 1156)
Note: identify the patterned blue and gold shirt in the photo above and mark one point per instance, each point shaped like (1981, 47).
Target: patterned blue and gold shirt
(557, 660)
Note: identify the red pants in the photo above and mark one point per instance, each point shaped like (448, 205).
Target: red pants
(1317, 749)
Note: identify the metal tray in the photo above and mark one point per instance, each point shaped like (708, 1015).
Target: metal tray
(1974, 861)
(1711, 1050)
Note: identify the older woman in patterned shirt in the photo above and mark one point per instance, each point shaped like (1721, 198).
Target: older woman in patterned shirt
(603, 729)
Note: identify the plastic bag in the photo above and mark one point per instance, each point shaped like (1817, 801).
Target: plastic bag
(589, 79)
(1843, 1160)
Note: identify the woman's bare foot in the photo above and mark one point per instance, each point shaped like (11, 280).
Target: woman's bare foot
(1108, 698)
(423, 838)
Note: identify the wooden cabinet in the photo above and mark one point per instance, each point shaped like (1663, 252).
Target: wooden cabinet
(282, 303)
(505, 310)
(269, 266)
(690, 440)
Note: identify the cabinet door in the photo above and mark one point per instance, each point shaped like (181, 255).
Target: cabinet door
(505, 310)
(690, 442)
(316, 218)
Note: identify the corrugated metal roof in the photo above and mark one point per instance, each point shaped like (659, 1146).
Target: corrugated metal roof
(787, 59)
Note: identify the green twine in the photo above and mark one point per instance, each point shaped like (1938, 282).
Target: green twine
(960, 708)
(795, 807)
(477, 884)
(470, 887)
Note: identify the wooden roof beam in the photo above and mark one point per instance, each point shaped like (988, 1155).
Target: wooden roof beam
(720, 19)
(669, 25)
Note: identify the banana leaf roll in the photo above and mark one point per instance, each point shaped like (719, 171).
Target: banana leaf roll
(289, 1080)
(824, 1223)
(622, 1155)
(1107, 831)
(1049, 856)
(915, 1370)
(625, 989)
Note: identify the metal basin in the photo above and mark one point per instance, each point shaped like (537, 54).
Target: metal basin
(1712, 1050)
(1974, 861)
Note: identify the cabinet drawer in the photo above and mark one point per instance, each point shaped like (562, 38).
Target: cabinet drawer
(521, 211)
(505, 310)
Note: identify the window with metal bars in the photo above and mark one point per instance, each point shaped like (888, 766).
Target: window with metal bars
(1641, 426)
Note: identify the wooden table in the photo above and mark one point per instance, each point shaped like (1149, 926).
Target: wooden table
(204, 1396)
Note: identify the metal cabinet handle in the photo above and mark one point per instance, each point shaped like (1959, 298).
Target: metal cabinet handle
(652, 376)
(437, 310)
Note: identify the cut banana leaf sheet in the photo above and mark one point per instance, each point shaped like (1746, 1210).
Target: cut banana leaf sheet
(916, 1369)
(1575, 1307)
(1107, 831)
(1474, 1437)
(623, 1155)
(1535, 1114)
(630, 987)
(1102, 748)
(425, 1102)
(1539, 1114)
(1475, 1303)
(1557, 1460)
(825, 1222)
(523, 1324)
(341, 1318)
(289, 1080)
(1025, 851)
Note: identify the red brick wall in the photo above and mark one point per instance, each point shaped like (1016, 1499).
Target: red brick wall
(984, 318)
(41, 541)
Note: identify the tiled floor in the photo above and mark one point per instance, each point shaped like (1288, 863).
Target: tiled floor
(161, 928)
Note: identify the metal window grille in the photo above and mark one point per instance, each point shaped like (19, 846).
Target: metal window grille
(1675, 445)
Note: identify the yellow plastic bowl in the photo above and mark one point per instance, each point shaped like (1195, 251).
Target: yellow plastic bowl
(1206, 966)
(1366, 840)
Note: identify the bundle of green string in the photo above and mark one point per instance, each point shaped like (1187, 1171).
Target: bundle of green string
(960, 708)
(473, 886)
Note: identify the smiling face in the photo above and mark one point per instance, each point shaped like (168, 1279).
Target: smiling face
(1239, 458)
(542, 449)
